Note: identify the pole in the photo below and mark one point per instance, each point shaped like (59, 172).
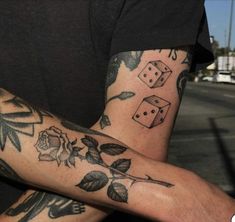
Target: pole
(230, 33)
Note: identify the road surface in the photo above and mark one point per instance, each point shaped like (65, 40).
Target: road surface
(204, 137)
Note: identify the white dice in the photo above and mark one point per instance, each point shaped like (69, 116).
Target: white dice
(155, 74)
(152, 111)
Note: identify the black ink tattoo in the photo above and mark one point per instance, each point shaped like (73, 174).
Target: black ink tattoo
(188, 58)
(131, 60)
(7, 171)
(122, 96)
(181, 82)
(104, 120)
(173, 54)
(54, 145)
(80, 129)
(152, 111)
(155, 74)
(21, 121)
(35, 203)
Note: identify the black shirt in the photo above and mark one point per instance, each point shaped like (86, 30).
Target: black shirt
(54, 53)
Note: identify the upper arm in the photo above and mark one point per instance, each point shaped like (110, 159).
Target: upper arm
(144, 89)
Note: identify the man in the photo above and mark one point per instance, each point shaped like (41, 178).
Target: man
(55, 55)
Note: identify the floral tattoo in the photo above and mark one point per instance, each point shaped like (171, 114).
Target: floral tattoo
(21, 121)
(54, 145)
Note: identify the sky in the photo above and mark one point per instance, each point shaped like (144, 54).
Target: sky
(218, 14)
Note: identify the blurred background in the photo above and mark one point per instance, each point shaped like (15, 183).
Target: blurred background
(204, 137)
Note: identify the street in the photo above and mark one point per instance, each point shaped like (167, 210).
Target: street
(204, 136)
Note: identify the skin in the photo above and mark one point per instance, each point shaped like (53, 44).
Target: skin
(169, 197)
(126, 65)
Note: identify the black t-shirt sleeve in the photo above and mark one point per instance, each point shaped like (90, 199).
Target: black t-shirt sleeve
(153, 24)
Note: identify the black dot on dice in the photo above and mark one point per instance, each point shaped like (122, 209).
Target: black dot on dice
(156, 73)
(161, 119)
(161, 111)
(156, 101)
(145, 75)
(166, 69)
(150, 80)
(150, 68)
(137, 116)
(162, 79)
(145, 113)
(153, 111)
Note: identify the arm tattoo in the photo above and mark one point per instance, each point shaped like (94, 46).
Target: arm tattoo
(104, 120)
(34, 204)
(80, 129)
(173, 54)
(155, 74)
(121, 96)
(181, 83)
(188, 58)
(21, 121)
(152, 111)
(38, 201)
(54, 145)
(131, 60)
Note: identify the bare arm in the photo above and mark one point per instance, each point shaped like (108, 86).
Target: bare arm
(125, 72)
(144, 90)
(97, 169)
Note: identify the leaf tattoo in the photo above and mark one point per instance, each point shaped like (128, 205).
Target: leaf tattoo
(21, 121)
(104, 120)
(89, 142)
(57, 146)
(131, 60)
(118, 192)
(121, 165)
(122, 96)
(112, 149)
(94, 181)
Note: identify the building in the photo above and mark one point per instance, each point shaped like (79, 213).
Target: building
(225, 63)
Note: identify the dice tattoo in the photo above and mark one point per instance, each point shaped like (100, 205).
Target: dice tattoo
(152, 111)
(155, 74)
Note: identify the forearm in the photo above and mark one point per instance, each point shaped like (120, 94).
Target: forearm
(40, 206)
(62, 160)
(47, 153)
(89, 166)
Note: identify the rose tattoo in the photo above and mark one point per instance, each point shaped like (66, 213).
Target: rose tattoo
(54, 145)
